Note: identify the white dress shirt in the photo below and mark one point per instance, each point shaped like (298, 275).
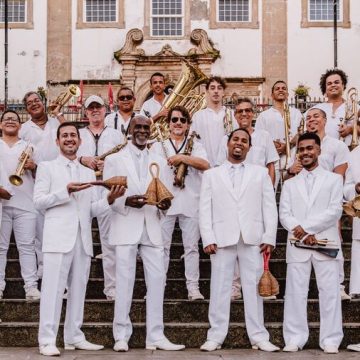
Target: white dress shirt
(210, 126)
(186, 200)
(262, 151)
(152, 106)
(122, 125)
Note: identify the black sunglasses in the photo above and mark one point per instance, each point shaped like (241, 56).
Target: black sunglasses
(246, 110)
(125, 97)
(174, 120)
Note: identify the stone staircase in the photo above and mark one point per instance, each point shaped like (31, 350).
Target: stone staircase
(185, 321)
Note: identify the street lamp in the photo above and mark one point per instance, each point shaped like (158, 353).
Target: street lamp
(335, 34)
(6, 51)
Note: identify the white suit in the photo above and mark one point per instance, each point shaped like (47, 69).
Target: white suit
(237, 221)
(67, 245)
(132, 228)
(352, 178)
(318, 214)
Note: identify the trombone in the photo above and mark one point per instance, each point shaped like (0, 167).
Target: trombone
(352, 100)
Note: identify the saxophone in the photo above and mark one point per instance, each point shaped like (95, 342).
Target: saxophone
(182, 169)
(228, 124)
(114, 150)
(16, 179)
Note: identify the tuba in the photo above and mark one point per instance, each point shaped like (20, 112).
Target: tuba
(63, 98)
(16, 179)
(191, 77)
(352, 99)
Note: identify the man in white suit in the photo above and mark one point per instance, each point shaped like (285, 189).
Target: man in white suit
(310, 208)
(67, 245)
(135, 225)
(238, 219)
(352, 189)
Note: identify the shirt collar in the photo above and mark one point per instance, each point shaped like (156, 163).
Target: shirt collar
(135, 150)
(314, 172)
(65, 161)
(230, 165)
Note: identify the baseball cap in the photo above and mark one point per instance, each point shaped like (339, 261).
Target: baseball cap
(93, 98)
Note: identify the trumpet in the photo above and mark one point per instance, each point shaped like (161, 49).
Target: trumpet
(63, 98)
(16, 179)
(352, 100)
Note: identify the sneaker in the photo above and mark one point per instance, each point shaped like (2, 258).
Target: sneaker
(195, 294)
(235, 294)
(343, 294)
(110, 295)
(32, 294)
(99, 256)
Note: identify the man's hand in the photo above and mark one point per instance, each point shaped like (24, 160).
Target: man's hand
(296, 167)
(310, 240)
(115, 192)
(75, 187)
(357, 188)
(164, 205)
(175, 160)
(163, 113)
(30, 165)
(280, 147)
(210, 249)
(267, 248)
(345, 130)
(298, 232)
(100, 165)
(89, 161)
(136, 201)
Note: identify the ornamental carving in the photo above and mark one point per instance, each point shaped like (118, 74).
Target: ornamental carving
(134, 38)
(204, 45)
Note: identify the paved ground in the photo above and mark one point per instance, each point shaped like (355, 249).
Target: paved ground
(190, 354)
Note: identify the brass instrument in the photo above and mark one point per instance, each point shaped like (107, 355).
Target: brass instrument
(182, 169)
(287, 127)
(228, 124)
(191, 77)
(16, 179)
(63, 98)
(301, 127)
(114, 150)
(193, 102)
(352, 207)
(352, 99)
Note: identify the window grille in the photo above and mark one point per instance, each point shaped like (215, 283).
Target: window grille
(323, 10)
(234, 10)
(100, 10)
(16, 11)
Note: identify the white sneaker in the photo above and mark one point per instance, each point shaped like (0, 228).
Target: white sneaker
(210, 345)
(343, 294)
(331, 349)
(354, 347)
(83, 345)
(99, 256)
(32, 294)
(291, 348)
(265, 346)
(121, 345)
(164, 344)
(235, 294)
(111, 295)
(49, 350)
(195, 294)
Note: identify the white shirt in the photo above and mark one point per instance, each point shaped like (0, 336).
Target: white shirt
(5, 184)
(22, 195)
(272, 121)
(333, 119)
(262, 151)
(152, 106)
(107, 139)
(210, 126)
(44, 139)
(186, 200)
(122, 125)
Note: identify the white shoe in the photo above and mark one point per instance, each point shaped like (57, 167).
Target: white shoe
(343, 294)
(235, 294)
(164, 344)
(265, 346)
(111, 295)
(291, 348)
(121, 345)
(32, 294)
(49, 350)
(83, 345)
(195, 295)
(210, 345)
(331, 349)
(99, 256)
(354, 347)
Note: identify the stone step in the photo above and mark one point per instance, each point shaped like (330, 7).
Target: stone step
(176, 268)
(182, 311)
(192, 334)
(175, 288)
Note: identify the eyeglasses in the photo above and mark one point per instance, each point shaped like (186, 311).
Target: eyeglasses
(174, 120)
(125, 97)
(246, 110)
(35, 101)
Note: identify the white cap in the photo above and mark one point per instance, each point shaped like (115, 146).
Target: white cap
(95, 99)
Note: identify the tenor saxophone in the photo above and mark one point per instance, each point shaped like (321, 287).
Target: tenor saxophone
(16, 179)
(182, 169)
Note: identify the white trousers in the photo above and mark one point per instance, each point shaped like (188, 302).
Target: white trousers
(295, 327)
(190, 236)
(61, 270)
(355, 267)
(251, 268)
(153, 262)
(108, 254)
(39, 240)
(23, 223)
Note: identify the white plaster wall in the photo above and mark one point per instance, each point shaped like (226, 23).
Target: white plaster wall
(310, 50)
(27, 55)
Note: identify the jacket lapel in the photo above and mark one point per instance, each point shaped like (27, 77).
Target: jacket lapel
(130, 166)
(319, 180)
(225, 177)
(301, 186)
(245, 179)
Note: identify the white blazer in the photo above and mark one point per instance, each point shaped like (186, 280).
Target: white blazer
(352, 178)
(64, 213)
(127, 223)
(224, 214)
(317, 215)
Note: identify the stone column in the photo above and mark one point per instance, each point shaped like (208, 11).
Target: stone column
(274, 33)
